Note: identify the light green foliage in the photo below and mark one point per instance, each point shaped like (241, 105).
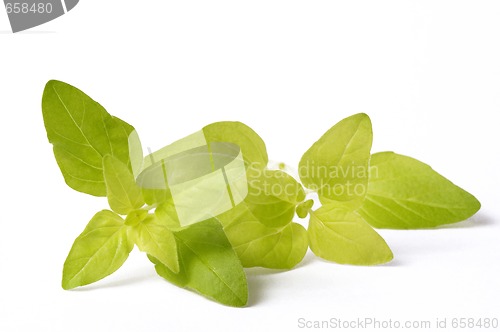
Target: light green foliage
(336, 166)
(273, 248)
(204, 179)
(156, 196)
(214, 207)
(167, 214)
(155, 238)
(208, 264)
(273, 196)
(259, 245)
(135, 217)
(304, 208)
(252, 146)
(123, 193)
(405, 193)
(135, 152)
(99, 251)
(342, 236)
(82, 133)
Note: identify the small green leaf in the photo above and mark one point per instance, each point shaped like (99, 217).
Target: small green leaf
(304, 208)
(341, 236)
(82, 132)
(273, 196)
(124, 195)
(135, 153)
(252, 146)
(99, 251)
(168, 215)
(336, 166)
(153, 237)
(273, 248)
(259, 245)
(404, 193)
(208, 264)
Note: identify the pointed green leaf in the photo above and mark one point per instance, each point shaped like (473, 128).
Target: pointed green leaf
(153, 237)
(82, 132)
(404, 193)
(135, 153)
(259, 245)
(341, 236)
(208, 264)
(168, 215)
(273, 196)
(252, 146)
(336, 166)
(99, 251)
(123, 193)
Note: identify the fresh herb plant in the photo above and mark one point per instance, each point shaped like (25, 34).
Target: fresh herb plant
(245, 224)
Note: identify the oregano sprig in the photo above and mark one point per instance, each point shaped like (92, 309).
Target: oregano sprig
(207, 206)
(197, 256)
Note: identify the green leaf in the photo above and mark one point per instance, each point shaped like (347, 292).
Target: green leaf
(304, 208)
(156, 196)
(168, 215)
(153, 237)
(82, 133)
(208, 264)
(336, 166)
(154, 178)
(204, 181)
(99, 251)
(273, 248)
(259, 245)
(341, 236)
(273, 196)
(124, 195)
(404, 193)
(251, 144)
(135, 153)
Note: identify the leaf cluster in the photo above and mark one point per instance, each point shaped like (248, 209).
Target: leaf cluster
(206, 207)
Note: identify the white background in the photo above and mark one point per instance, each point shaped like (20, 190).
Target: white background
(427, 72)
